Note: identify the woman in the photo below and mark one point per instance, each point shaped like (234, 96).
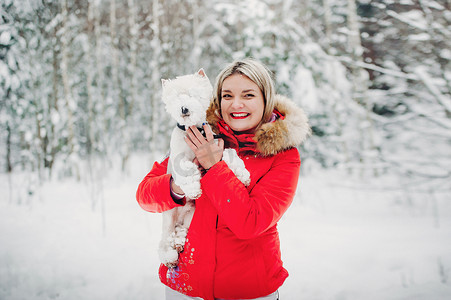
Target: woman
(232, 250)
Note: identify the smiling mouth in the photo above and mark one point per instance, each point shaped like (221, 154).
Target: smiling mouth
(239, 115)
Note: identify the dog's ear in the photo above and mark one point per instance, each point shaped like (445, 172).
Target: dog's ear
(164, 81)
(201, 72)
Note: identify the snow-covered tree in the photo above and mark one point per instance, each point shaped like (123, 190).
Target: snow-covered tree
(410, 65)
(8, 82)
(82, 79)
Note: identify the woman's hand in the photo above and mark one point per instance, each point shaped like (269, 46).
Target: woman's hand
(206, 150)
(175, 188)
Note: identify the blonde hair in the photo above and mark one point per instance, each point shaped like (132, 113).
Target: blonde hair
(255, 71)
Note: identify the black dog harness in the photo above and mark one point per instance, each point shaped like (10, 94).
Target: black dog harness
(202, 131)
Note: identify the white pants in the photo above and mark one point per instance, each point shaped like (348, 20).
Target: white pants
(174, 295)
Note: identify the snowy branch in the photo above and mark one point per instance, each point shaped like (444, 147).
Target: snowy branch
(419, 75)
(426, 79)
(414, 23)
(434, 119)
(349, 61)
(402, 165)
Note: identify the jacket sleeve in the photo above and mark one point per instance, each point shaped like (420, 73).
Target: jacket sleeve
(249, 214)
(154, 193)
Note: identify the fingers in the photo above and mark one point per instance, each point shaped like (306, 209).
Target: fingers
(197, 133)
(190, 144)
(207, 151)
(208, 132)
(207, 154)
(193, 139)
(195, 136)
(176, 188)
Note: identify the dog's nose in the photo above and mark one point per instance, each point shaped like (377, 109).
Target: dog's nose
(185, 110)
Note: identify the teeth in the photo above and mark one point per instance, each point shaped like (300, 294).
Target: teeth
(240, 115)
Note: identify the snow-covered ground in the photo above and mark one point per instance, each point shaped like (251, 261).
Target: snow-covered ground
(341, 239)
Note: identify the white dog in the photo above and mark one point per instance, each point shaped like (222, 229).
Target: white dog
(186, 99)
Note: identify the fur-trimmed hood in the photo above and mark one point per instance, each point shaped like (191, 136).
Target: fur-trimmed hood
(275, 137)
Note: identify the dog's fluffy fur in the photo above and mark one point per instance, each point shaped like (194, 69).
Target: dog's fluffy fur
(186, 99)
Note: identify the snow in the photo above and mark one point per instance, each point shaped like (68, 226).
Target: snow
(343, 238)
(446, 54)
(305, 90)
(435, 5)
(413, 17)
(428, 82)
(54, 245)
(5, 37)
(4, 73)
(361, 244)
(421, 37)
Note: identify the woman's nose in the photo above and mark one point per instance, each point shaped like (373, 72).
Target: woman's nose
(237, 103)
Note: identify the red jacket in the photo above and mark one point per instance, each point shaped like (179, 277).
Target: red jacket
(232, 248)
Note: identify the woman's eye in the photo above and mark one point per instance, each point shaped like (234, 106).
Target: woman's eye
(226, 96)
(249, 95)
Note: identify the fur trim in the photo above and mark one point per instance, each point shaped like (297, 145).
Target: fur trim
(280, 135)
(277, 136)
